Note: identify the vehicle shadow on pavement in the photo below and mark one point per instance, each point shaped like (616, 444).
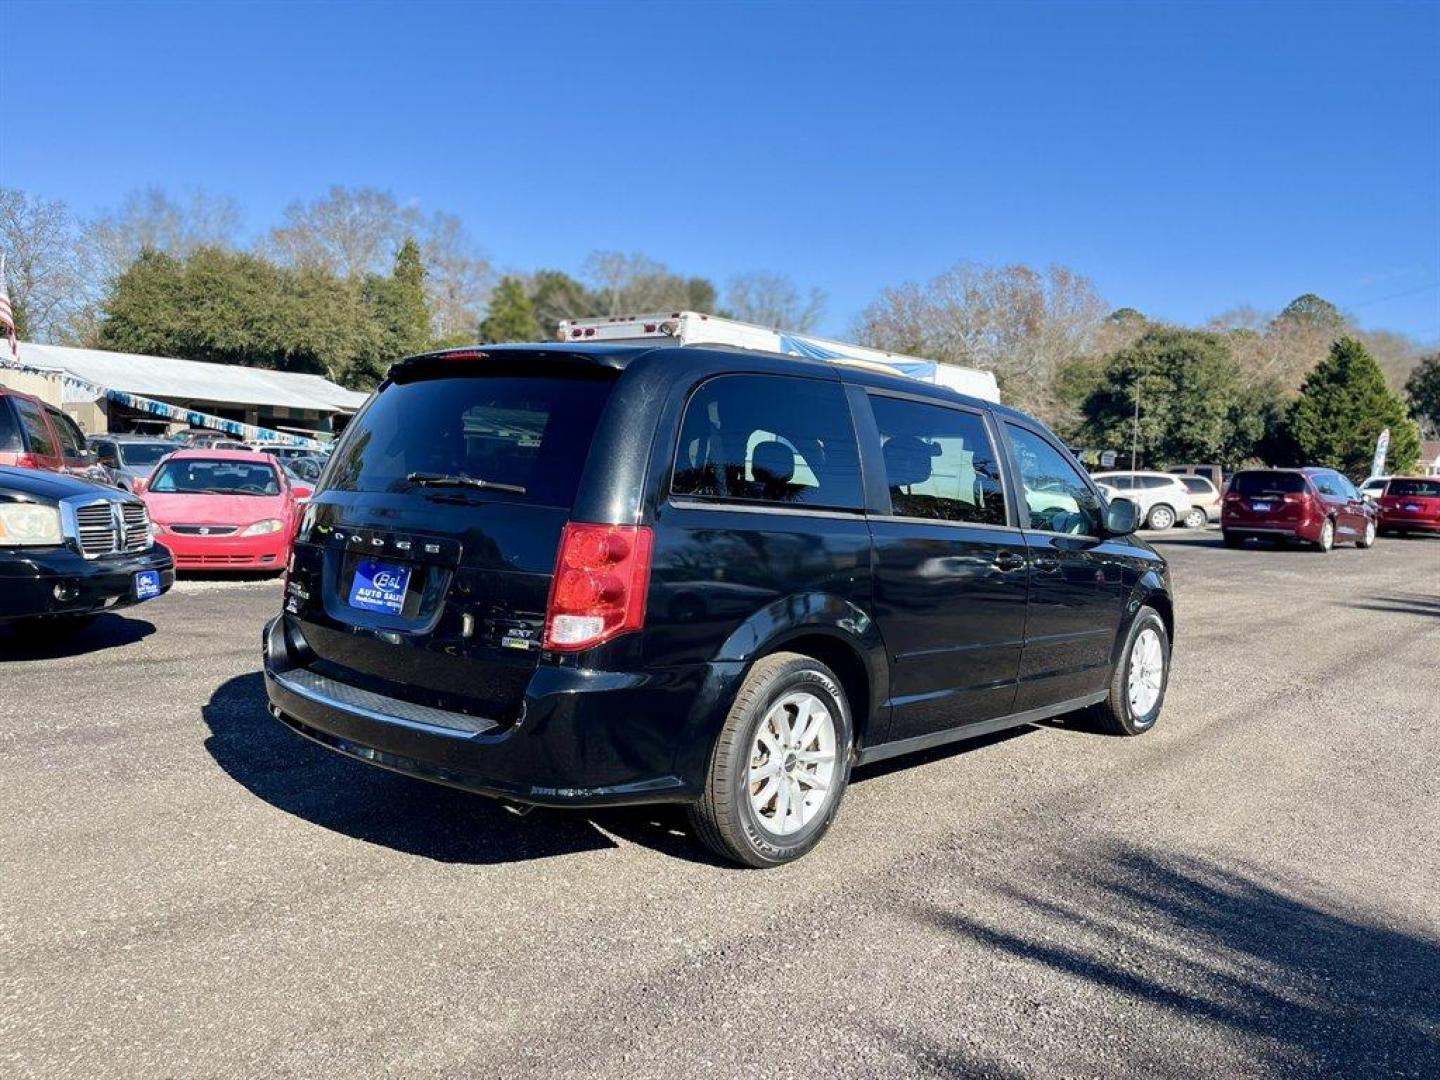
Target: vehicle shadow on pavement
(1407, 604)
(108, 631)
(1294, 979)
(413, 816)
(1286, 547)
(862, 773)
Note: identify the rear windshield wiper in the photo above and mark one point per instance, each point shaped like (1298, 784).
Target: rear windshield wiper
(425, 479)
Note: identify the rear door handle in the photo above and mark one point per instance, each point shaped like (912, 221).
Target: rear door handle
(1047, 566)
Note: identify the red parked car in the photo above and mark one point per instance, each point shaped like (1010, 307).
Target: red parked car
(1410, 504)
(1316, 506)
(223, 510)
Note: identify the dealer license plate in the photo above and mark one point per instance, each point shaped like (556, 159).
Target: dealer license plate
(379, 587)
(1261, 506)
(1412, 508)
(147, 584)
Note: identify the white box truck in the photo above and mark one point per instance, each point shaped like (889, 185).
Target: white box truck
(695, 328)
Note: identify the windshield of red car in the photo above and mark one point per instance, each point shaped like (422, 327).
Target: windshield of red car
(197, 475)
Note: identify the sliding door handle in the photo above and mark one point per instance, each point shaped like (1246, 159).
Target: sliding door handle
(1009, 560)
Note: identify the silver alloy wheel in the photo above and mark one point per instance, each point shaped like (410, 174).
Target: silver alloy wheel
(792, 763)
(1196, 518)
(1162, 517)
(1369, 533)
(1327, 535)
(1147, 672)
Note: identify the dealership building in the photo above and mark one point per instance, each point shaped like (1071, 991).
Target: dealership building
(123, 392)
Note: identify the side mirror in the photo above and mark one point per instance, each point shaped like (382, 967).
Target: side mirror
(1122, 517)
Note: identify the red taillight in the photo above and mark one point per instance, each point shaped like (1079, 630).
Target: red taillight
(27, 461)
(601, 578)
(1297, 498)
(1232, 496)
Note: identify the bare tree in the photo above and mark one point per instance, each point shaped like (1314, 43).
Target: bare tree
(457, 278)
(1013, 320)
(50, 273)
(349, 231)
(773, 300)
(151, 219)
(631, 283)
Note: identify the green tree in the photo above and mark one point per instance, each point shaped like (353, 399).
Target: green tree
(396, 318)
(1343, 406)
(1422, 390)
(1193, 406)
(511, 316)
(556, 296)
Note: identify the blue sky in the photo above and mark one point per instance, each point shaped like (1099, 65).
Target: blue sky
(1188, 157)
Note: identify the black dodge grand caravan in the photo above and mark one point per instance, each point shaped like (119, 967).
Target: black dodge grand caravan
(589, 575)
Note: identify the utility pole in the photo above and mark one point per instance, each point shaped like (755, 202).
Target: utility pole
(1135, 431)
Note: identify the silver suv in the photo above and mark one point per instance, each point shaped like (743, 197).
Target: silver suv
(1162, 498)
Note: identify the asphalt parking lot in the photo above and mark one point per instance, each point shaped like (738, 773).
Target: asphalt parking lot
(190, 890)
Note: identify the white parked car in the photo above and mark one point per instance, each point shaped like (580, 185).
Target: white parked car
(1374, 487)
(1204, 499)
(1162, 498)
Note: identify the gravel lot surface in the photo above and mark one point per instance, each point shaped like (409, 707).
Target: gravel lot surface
(1252, 889)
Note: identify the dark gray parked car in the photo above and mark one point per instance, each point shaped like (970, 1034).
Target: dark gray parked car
(128, 458)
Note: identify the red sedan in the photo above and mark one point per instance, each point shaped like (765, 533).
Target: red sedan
(1410, 504)
(223, 510)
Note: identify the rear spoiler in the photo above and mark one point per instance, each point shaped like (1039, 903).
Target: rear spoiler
(519, 355)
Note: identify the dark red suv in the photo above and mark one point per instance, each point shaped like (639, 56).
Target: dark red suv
(34, 435)
(1317, 506)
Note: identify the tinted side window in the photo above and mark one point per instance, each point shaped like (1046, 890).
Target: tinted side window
(9, 429)
(1197, 485)
(939, 463)
(72, 439)
(1119, 483)
(1153, 483)
(1056, 496)
(39, 434)
(769, 438)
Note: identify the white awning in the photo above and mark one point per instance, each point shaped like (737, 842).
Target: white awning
(191, 380)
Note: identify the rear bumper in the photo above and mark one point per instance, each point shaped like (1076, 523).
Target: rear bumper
(62, 582)
(1308, 530)
(583, 739)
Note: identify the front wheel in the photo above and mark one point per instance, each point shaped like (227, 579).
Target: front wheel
(1368, 539)
(780, 765)
(1138, 683)
(1196, 518)
(1161, 517)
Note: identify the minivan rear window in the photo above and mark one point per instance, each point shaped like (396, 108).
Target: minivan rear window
(1267, 483)
(1417, 488)
(529, 432)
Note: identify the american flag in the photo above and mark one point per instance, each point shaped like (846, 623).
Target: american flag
(7, 313)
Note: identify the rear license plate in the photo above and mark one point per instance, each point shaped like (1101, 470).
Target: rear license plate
(379, 587)
(147, 584)
(1261, 506)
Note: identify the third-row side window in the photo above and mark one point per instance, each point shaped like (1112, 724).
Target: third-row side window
(769, 439)
(939, 462)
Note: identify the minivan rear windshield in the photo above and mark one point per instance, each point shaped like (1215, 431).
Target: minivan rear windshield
(1267, 483)
(525, 437)
(1418, 488)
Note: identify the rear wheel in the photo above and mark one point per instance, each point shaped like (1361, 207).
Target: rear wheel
(1161, 517)
(1327, 536)
(1368, 539)
(1138, 683)
(780, 765)
(1196, 518)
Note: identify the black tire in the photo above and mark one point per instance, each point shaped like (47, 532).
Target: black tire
(1160, 518)
(1197, 518)
(724, 819)
(1114, 716)
(1367, 538)
(1232, 540)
